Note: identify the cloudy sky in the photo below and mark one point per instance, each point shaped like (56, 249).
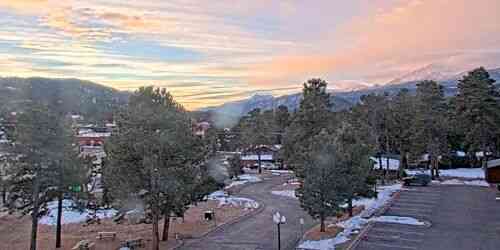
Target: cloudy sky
(212, 51)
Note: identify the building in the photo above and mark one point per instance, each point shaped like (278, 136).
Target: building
(201, 128)
(492, 171)
(250, 157)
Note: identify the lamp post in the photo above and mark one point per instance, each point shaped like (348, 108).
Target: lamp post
(279, 219)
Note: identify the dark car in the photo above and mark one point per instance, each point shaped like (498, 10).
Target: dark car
(419, 179)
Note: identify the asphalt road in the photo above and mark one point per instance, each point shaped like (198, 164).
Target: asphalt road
(461, 217)
(259, 231)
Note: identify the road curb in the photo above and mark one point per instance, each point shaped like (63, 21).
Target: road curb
(229, 223)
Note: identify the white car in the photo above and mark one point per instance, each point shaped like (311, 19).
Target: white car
(269, 165)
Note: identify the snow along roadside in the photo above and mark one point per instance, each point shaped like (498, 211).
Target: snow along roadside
(354, 224)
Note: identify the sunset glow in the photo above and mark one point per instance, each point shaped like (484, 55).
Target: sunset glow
(209, 52)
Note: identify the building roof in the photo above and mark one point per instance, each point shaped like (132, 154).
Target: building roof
(254, 157)
(493, 163)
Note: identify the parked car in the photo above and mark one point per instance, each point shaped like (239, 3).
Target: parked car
(419, 179)
(269, 165)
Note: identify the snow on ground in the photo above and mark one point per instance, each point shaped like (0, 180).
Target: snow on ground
(471, 173)
(282, 171)
(71, 214)
(286, 193)
(244, 179)
(480, 183)
(393, 163)
(225, 199)
(354, 224)
(399, 220)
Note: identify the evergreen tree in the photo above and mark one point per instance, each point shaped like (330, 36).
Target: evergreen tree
(235, 166)
(477, 111)
(312, 117)
(353, 161)
(430, 135)
(401, 116)
(35, 173)
(154, 155)
(372, 113)
(282, 120)
(321, 192)
(257, 130)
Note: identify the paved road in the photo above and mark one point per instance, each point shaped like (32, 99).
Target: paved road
(462, 218)
(259, 232)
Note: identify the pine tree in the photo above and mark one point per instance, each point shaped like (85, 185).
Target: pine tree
(71, 168)
(35, 173)
(401, 115)
(155, 155)
(312, 117)
(282, 120)
(430, 135)
(353, 161)
(257, 130)
(477, 111)
(372, 113)
(321, 192)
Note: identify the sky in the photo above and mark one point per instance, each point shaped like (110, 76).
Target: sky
(214, 51)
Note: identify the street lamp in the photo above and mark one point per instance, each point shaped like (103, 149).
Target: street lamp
(279, 219)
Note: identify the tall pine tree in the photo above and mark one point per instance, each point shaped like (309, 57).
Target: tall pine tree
(430, 135)
(477, 111)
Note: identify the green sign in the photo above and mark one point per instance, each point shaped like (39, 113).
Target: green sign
(75, 188)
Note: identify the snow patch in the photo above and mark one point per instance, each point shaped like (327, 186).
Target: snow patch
(393, 163)
(286, 193)
(225, 200)
(479, 183)
(471, 173)
(399, 220)
(282, 171)
(71, 214)
(354, 224)
(244, 179)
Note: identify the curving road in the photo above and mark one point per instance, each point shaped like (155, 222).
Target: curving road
(259, 231)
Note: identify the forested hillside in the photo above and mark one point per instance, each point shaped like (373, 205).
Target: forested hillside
(95, 102)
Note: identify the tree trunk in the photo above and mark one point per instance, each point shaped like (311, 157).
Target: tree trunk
(4, 196)
(156, 243)
(401, 164)
(166, 226)
(437, 168)
(382, 169)
(350, 207)
(322, 220)
(59, 218)
(259, 161)
(35, 212)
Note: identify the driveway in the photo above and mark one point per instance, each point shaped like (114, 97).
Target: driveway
(259, 231)
(461, 217)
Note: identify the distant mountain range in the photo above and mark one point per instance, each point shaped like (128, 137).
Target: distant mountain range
(345, 99)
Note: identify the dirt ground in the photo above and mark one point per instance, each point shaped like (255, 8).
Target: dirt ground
(331, 231)
(15, 232)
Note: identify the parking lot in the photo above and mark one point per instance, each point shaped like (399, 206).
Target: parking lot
(461, 217)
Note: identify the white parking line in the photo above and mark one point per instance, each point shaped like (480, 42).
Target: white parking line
(419, 201)
(425, 210)
(393, 237)
(396, 231)
(389, 245)
(413, 204)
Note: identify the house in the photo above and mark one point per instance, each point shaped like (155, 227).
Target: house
(201, 128)
(250, 157)
(92, 136)
(492, 171)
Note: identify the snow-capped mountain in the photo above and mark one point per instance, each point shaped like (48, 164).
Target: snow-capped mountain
(436, 72)
(345, 99)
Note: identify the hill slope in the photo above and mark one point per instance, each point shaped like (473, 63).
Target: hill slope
(93, 101)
